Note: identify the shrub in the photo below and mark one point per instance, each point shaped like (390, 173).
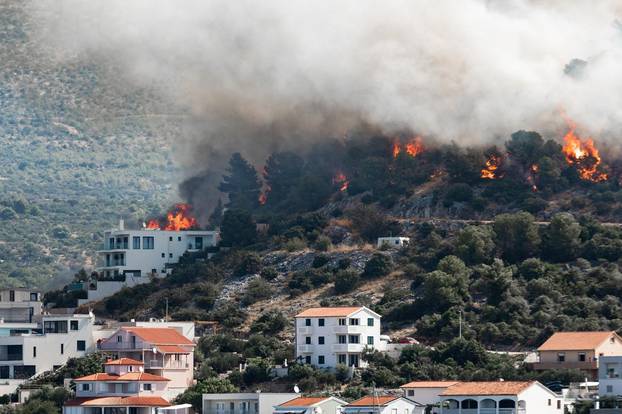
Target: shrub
(270, 323)
(7, 213)
(378, 265)
(268, 273)
(319, 261)
(256, 290)
(323, 243)
(249, 265)
(346, 281)
(295, 244)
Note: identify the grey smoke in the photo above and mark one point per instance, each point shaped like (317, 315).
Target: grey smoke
(256, 76)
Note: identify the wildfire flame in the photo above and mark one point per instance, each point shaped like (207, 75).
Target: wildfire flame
(490, 171)
(583, 155)
(263, 196)
(341, 180)
(179, 218)
(413, 147)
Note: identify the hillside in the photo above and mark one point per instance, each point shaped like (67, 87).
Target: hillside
(79, 152)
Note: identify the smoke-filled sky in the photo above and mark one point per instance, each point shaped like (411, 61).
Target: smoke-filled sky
(261, 75)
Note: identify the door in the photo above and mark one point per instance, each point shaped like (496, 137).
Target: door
(353, 360)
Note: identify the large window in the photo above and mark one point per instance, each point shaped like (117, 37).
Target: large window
(55, 326)
(370, 321)
(136, 242)
(320, 340)
(354, 321)
(320, 322)
(307, 322)
(148, 242)
(341, 339)
(353, 339)
(370, 340)
(81, 345)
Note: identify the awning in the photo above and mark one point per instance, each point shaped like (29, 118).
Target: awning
(171, 349)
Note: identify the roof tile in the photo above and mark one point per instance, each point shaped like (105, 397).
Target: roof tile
(159, 336)
(119, 401)
(303, 401)
(488, 388)
(370, 401)
(429, 384)
(579, 341)
(328, 312)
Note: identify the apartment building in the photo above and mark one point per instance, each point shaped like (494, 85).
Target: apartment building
(31, 349)
(383, 404)
(244, 402)
(311, 405)
(123, 388)
(165, 352)
(578, 350)
(20, 305)
(500, 397)
(326, 337)
(132, 257)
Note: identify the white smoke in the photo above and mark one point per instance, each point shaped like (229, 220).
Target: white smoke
(280, 71)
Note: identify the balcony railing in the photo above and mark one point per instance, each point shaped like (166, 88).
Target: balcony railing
(159, 364)
(588, 365)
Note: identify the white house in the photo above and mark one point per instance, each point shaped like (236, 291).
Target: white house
(34, 349)
(244, 402)
(326, 337)
(131, 257)
(124, 388)
(500, 397)
(426, 392)
(385, 404)
(165, 352)
(311, 405)
(393, 242)
(20, 305)
(610, 376)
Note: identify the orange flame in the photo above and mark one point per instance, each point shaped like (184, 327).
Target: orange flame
(263, 196)
(489, 172)
(179, 218)
(341, 180)
(413, 147)
(582, 154)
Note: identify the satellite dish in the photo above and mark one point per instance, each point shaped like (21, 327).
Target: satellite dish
(154, 350)
(296, 389)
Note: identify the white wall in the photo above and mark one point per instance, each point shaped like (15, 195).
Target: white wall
(266, 401)
(425, 395)
(537, 398)
(604, 380)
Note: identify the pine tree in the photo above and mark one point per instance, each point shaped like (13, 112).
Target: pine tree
(241, 184)
(283, 172)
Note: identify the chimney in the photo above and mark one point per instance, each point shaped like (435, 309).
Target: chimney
(121, 224)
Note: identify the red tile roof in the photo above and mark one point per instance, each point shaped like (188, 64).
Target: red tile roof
(172, 349)
(100, 376)
(328, 312)
(119, 401)
(159, 336)
(488, 388)
(577, 341)
(130, 376)
(370, 401)
(303, 401)
(429, 384)
(124, 361)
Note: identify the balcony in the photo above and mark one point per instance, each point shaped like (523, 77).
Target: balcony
(348, 347)
(305, 349)
(304, 330)
(584, 365)
(160, 364)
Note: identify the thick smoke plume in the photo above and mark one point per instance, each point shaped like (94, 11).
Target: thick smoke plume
(256, 76)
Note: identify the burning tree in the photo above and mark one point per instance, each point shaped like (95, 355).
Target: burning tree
(178, 218)
(583, 155)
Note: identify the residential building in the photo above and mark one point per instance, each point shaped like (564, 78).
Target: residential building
(578, 350)
(165, 352)
(393, 242)
(610, 377)
(123, 388)
(244, 402)
(426, 392)
(20, 305)
(500, 397)
(132, 257)
(310, 405)
(326, 337)
(31, 349)
(385, 404)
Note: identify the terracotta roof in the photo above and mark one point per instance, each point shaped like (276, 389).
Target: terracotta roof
(429, 384)
(582, 341)
(488, 388)
(370, 401)
(303, 401)
(124, 361)
(328, 312)
(119, 401)
(172, 349)
(159, 336)
(130, 376)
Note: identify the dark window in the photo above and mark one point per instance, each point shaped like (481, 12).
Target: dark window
(170, 255)
(34, 351)
(342, 322)
(81, 345)
(4, 372)
(341, 339)
(170, 238)
(342, 359)
(73, 325)
(62, 349)
(23, 371)
(163, 255)
(148, 243)
(320, 322)
(12, 295)
(582, 357)
(561, 357)
(154, 271)
(34, 297)
(55, 326)
(308, 340)
(320, 340)
(308, 359)
(469, 404)
(354, 321)
(147, 387)
(370, 340)
(111, 243)
(136, 242)
(198, 243)
(86, 387)
(370, 321)
(119, 338)
(14, 353)
(320, 360)
(307, 322)
(353, 339)
(559, 404)
(179, 238)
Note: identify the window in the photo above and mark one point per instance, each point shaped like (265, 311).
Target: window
(111, 243)
(342, 359)
(136, 242)
(86, 387)
(612, 340)
(559, 404)
(411, 393)
(163, 255)
(81, 345)
(232, 406)
(198, 243)
(146, 387)
(73, 325)
(609, 389)
(33, 297)
(353, 339)
(320, 322)
(55, 326)
(549, 401)
(370, 340)
(170, 238)
(581, 356)
(342, 322)
(354, 321)
(119, 338)
(561, 357)
(62, 349)
(308, 359)
(308, 340)
(154, 271)
(320, 340)
(320, 360)
(370, 321)
(341, 339)
(34, 351)
(11, 295)
(148, 242)
(179, 238)
(307, 322)
(170, 255)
